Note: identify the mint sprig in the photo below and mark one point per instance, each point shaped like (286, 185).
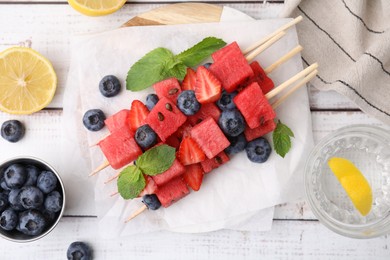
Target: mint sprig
(130, 182)
(282, 139)
(156, 160)
(161, 63)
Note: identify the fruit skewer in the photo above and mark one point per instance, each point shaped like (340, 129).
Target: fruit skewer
(251, 52)
(301, 78)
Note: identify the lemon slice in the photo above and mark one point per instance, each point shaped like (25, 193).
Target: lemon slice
(96, 8)
(353, 182)
(27, 81)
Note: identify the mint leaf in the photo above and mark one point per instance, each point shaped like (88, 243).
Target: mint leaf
(199, 52)
(155, 66)
(156, 160)
(281, 138)
(130, 182)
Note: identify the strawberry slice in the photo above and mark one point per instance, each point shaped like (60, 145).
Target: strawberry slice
(150, 187)
(189, 80)
(207, 88)
(190, 152)
(193, 176)
(138, 114)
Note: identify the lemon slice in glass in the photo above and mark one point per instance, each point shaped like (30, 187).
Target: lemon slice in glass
(96, 8)
(354, 183)
(27, 81)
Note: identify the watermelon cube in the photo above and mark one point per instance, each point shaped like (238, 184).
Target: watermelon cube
(210, 164)
(118, 120)
(205, 111)
(231, 67)
(209, 137)
(254, 106)
(266, 84)
(120, 148)
(251, 134)
(169, 88)
(165, 118)
(172, 191)
(183, 130)
(175, 170)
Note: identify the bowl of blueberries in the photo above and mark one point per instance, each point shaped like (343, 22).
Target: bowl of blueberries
(32, 199)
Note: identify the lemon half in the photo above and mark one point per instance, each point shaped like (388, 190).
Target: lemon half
(354, 183)
(27, 81)
(96, 8)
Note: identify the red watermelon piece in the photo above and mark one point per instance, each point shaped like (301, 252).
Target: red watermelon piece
(231, 67)
(169, 88)
(165, 118)
(266, 84)
(175, 170)
(254, 106)
(118, 120)
(120, 149)
(205, 111)
(210, 164)
(184, 130)
(209, 137)
(251, 134)
(172, 191)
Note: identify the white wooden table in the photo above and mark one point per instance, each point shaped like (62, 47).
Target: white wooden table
(47, 25)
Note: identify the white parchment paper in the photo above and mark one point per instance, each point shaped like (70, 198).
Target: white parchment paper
(238, 195)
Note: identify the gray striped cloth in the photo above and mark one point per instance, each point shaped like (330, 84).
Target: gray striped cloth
(350, 39)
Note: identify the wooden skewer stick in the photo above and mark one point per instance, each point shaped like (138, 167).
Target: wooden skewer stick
(306, 79)
(112, 178)
(291, 80)
(264, 46)
(100, 167)
(98, 141)
(136, 213)
(283, 59)
(114, 193)
(266, 38)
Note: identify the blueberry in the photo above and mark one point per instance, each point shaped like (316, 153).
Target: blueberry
(15, 176)
(14, 199)
(31, 197)
(12, 130)
(31, 222)
(53, 201)
(3, 201)
(231, 122)
(187, 102)
(32, 175)
(49, 216)
(8, 219)
(258, 150)
(151, 101)
(237, 144)
(93, 119)
(47, 181)
(225, 102)
(79, 251)
(207, 65)
(109, 86)
(145, 137)
(3, 185)
(151, 201)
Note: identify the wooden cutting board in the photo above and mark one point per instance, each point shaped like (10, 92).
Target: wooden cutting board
(181, 13)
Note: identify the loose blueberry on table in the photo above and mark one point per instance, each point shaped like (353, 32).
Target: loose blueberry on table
(12, 130)
(109, 86)
(93, 119)
(79, 251)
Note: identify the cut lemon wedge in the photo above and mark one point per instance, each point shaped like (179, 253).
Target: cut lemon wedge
(27, 81)
(353, 182)
(96, 8)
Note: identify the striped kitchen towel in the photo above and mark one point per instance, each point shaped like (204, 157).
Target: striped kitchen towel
(350, 39)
